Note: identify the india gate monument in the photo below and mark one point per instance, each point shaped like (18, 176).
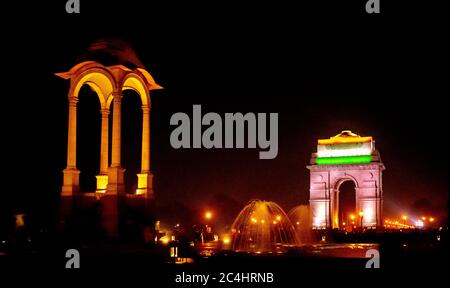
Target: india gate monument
(346, 157)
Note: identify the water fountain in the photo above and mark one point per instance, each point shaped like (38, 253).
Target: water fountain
(300, 218)
(262, 226)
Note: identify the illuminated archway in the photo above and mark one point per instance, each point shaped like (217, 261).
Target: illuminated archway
(346, 157)
(109, 82)
(135, 82)
(346, 204)
(88, 140)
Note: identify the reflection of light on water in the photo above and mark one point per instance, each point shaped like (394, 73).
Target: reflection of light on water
(184, 260)
(350, 250)
(173, 251)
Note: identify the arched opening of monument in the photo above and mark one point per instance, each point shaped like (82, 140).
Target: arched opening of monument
(88, 138)
(131, 138)
(347, 214)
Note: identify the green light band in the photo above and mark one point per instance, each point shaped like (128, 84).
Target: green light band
(344, 160)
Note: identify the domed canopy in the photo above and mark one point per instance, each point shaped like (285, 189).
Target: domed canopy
(112, 51)
(110, 63)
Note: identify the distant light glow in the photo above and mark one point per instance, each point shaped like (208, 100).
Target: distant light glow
(208, 215)
(419, 224)
(344, 160)
(164, 239)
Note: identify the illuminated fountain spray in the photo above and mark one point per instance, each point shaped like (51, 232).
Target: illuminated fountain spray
(300, 218)
(262, 226)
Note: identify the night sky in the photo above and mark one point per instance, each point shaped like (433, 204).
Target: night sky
(323, 67)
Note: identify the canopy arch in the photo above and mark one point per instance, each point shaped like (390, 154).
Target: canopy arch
(98, 80)
(133, 81)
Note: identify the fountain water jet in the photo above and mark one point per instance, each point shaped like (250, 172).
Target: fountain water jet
(262, 226)
(300, 218)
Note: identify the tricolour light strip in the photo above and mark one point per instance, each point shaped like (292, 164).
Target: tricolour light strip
(340, 140)
(348, 149)
(344, 160)
(343, 153)
(344, 137)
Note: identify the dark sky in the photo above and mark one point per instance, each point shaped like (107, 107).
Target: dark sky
(323, 67)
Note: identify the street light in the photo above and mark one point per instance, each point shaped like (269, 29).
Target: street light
(361, 214)
(404, 218)
(352, 217)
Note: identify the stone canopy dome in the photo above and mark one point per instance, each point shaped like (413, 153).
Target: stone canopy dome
(112, 51)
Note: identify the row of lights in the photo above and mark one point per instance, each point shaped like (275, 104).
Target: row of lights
(254, 220)
(396, 224)
(418, 224)
(431, 219)
(353, 217)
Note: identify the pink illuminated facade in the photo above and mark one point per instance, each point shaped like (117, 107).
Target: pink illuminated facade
(329, 171)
